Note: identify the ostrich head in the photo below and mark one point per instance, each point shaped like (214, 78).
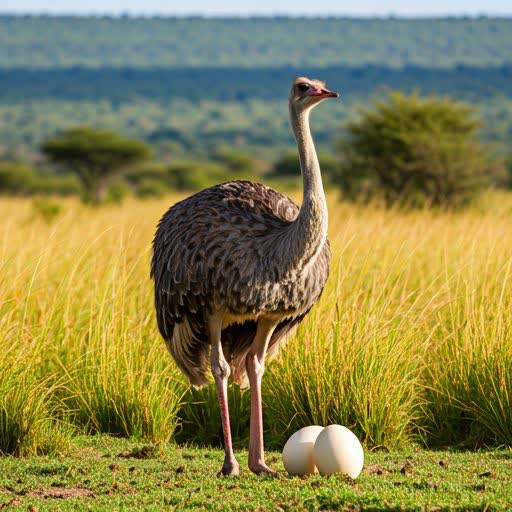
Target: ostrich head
(307, 93)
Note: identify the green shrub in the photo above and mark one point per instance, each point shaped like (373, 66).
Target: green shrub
(148, 170)
(197, 175)
(63, 185)
(235, 161)
(117, 193)
(16, 178)
(20, 179)
(416, 150)
(288, 165)
(151, 188)
(155, 179)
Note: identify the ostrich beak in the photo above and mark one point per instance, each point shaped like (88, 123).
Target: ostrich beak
(322, 92)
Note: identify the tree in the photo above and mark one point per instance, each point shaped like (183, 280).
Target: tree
(94, 155)
(416, 150)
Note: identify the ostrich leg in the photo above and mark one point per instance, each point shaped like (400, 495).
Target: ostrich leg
(221, 371)
(255, 365)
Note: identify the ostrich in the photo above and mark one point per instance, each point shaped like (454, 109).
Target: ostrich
(236, 267)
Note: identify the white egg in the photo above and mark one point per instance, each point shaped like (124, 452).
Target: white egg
(337, 450)
(298, 451)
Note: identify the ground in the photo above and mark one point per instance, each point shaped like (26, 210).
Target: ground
(104, 473)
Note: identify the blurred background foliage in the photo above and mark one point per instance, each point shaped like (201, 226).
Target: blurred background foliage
(189, 85)
(207, 97)
(59, 42)
(405, 149)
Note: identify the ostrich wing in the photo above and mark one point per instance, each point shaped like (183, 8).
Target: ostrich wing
(208, 254)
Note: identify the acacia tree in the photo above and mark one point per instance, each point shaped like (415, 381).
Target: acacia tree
(94, 156)
(417, 150)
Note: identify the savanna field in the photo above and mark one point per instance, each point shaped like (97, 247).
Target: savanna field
(410, 347)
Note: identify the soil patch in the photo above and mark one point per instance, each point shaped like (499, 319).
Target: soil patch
(63, 493)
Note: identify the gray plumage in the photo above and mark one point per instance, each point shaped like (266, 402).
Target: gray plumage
(236, 267)
(230, 246)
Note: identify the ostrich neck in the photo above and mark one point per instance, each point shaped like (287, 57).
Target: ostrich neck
(314, 206)
(307, 234)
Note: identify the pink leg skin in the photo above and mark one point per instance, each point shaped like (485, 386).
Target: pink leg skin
(221, 371)
(255, 368)
(230, 466)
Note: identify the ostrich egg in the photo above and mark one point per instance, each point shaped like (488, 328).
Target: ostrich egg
(337, 450)
(298, 451)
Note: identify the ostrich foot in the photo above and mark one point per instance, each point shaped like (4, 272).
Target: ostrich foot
(229, 468)
(260, 468)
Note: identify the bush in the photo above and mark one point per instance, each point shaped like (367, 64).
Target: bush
(288, 165)
(152, 188)
(416, 150)
(64, 185)
(20, 179)
(155, 179)
(235, 161)
(197, 175)
(150, 179)
(117, 193)
(16, 178)
(148, 170)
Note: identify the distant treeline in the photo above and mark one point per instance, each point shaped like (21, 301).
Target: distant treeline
(241, 84)
(188, 85)
(49, 42)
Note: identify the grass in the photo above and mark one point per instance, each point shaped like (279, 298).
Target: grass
(28, 415)
(103, 473)
(411, 341)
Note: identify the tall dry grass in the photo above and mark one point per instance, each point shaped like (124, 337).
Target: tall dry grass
(412, 337)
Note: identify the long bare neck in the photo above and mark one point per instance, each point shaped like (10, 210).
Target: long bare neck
(306, 235)
(313, 213)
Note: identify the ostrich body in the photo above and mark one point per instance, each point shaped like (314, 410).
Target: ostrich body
(236, 267)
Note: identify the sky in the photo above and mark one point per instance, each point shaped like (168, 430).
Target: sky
(260, 7)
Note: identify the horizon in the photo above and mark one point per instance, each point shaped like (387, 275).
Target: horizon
(261, 8)
(234, 15)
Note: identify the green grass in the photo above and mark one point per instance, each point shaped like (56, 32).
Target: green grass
(121, 475)
(410, 342)
(28, 414)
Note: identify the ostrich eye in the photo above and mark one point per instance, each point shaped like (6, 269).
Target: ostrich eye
(303, 87)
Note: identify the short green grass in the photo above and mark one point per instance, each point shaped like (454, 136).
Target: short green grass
(104, 473)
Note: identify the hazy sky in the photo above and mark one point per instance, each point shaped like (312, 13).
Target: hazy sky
(218, 7)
